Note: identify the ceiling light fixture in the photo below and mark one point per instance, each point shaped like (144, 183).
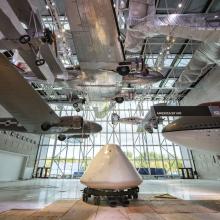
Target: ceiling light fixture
(180, 5)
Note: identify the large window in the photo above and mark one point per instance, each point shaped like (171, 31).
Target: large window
(66, 159)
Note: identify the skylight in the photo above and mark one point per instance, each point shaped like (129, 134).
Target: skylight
(184, 60)
(169, 83)
(156, 85)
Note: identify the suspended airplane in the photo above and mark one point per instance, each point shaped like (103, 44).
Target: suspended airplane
(22, 29)
(141, 78)
(129, 120)
(96, 42)
(148, 123)
(136, 71)
(76, 101)
(197, 132)
(139, 73)
(111, 175)
(31, 114)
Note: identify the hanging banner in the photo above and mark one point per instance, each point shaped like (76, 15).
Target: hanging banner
(186, 110)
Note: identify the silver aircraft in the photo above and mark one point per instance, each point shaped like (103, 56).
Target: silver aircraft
(22, 30)
(31, 114)
(148, 123)
(95, 40)
(196, 132)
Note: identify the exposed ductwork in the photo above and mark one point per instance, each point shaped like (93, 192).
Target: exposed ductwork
(138, 11)
(205, 57)
(201, 27)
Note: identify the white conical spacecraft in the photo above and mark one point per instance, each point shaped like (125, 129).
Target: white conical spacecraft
(111, 169)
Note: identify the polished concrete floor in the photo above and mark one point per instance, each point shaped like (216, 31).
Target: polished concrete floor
(145, 208)
(37, 193)
(148, 208)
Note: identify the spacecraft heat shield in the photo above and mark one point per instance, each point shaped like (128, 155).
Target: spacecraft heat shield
(111, 169)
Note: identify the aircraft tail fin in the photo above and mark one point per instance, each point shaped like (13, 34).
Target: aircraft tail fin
(115, 118)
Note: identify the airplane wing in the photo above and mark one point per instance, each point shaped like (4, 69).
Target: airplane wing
(14, 16)
(150, 121)
(20, 99)
(145, 125)
(95, 35)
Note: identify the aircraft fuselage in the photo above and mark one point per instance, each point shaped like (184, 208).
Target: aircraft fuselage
(199, 132)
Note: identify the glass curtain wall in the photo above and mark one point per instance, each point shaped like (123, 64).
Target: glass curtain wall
(68, 159)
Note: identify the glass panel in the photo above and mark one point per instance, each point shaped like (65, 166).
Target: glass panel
(70, 157)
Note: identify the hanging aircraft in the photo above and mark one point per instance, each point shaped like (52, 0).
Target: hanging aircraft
(22, 30)
(95, 39)
(111, 176)
(148, 123)
(139, 73)
(76, 101)
(196, 132)
(129, 120)
(31, 114)
(146, 78)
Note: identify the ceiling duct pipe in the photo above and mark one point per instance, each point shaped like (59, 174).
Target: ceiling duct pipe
(205, 57)
(200, 27)
(138, 10)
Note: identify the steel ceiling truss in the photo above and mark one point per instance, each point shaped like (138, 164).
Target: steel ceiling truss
(143, 149)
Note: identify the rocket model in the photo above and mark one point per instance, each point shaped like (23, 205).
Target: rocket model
(111, 169)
